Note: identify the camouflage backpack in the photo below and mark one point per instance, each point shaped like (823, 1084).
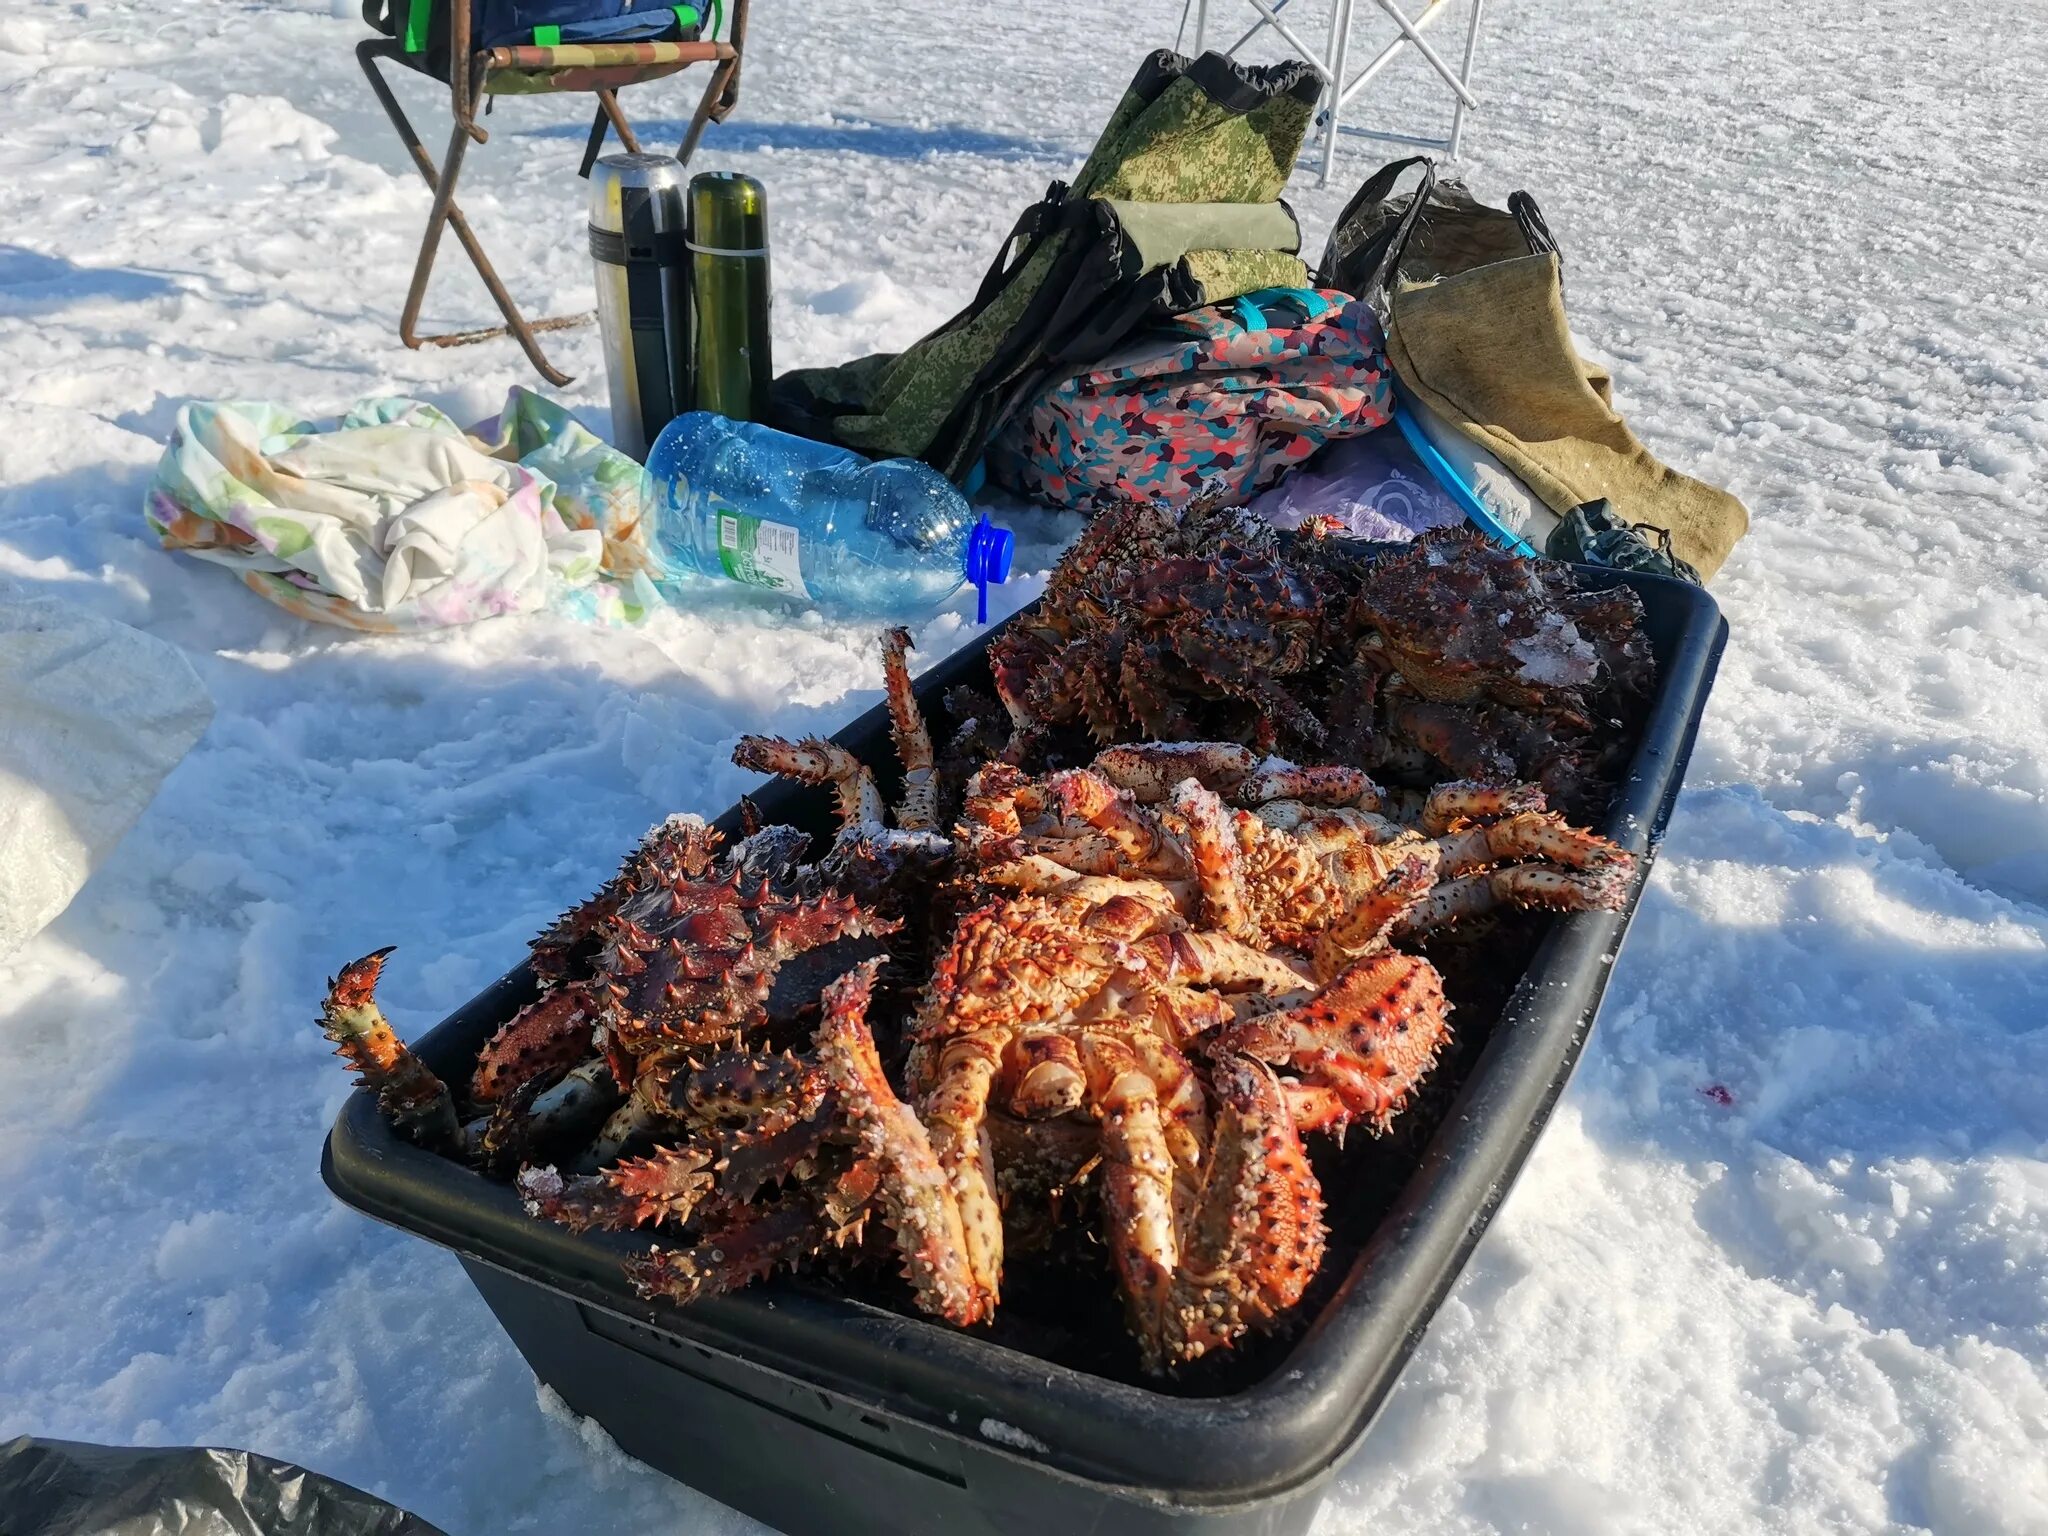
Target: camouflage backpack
(1177, 206)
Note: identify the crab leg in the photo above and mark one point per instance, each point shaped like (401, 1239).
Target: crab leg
(1146, 846)
(769, 1093)
(1151, 770)
(1256, 1236)
(1530, 835)
(1359, 1046)
(541, 1110)
(750, 1247)
(551, 1032)
(415, 1101)
(919, 809)
(915, 1193)
(1212, 845)
(1454, 805)
(664, 1186)
(1217, 960)
(1278, 779)
(1138, 1179)
(1366, 925)
(956, 1110)
(813, 761)
(1037, 875)
(1524, 885)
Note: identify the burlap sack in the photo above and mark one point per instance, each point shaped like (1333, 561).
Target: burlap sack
(1490, 350)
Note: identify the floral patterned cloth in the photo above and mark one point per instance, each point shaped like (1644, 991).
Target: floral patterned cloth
(393, 519)
(1219, 397)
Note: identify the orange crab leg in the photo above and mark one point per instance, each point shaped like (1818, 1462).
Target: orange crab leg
(914, 1191)
(1138, 1177)
(1151, 770)
(1256, 1239)
(919, 809)
(815, 761)
(1277, 779)
(1368, 1037)
(1530, 835)
(1147, 848)
(411, 1096)
(1450, 806)
(1212, 844)
(1522, 885)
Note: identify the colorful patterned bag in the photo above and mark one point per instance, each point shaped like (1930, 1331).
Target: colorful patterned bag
(1232, 395)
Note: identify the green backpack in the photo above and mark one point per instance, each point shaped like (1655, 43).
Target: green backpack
(1178, 206)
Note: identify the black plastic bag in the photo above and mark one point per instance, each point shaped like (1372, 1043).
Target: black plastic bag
(1592, 535)
(68, 1488)
(1385, 238)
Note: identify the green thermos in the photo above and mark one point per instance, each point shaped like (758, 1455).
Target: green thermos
(728, 246)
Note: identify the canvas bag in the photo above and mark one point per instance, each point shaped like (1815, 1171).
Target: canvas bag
(1476, 329)
(1230, 396)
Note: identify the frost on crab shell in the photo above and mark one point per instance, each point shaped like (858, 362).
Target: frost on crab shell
(1555, 655)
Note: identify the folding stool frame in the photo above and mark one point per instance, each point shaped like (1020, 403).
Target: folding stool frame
(1334, 59)
(608, 67)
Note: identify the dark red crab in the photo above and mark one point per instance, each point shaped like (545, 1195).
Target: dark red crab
(1165, 627)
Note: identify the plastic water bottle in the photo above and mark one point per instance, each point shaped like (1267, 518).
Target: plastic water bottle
(816, 522)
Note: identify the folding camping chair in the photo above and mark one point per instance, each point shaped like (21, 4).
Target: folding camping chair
(545, 66)
(1332, 62)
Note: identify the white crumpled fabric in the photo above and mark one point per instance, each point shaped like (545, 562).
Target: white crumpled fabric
(93, 715)
(393, 519)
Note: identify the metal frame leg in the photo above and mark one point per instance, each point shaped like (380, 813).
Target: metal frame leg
(1465, 76)
(1410, 35)
(719, 78)
(1411, 31)
(445, 214)
(608, 115)
(1333, 97)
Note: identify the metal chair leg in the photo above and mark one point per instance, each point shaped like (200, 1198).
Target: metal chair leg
(445, 214)
(719, 77)
(608, 104)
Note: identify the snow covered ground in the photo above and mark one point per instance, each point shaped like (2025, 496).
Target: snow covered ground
(1781, 1263)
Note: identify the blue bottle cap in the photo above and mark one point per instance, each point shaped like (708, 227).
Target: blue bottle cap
(990, 549)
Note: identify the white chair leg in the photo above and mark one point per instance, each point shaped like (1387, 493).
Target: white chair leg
(1465, 74)
(1412, 32)
(1333, 90)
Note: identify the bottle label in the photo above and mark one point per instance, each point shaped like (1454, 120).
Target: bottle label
(760, 553)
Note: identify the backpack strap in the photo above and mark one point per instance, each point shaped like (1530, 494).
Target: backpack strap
(1033, 225)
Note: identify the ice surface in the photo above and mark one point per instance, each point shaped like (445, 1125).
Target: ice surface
(1808, 242)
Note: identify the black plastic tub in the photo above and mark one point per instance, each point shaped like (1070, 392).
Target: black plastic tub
(820, 1412)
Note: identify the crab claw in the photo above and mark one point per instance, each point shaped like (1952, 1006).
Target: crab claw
(1358, 1047)
(415, 1101)
(1256, 1237)
(815, 761)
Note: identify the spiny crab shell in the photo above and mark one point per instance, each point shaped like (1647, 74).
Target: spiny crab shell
(1154, 619)
(1462, 620)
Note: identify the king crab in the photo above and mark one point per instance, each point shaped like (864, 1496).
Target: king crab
(1467, 658)
(1153, 619)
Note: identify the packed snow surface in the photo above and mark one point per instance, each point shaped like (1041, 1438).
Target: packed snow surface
(1780, 1263)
